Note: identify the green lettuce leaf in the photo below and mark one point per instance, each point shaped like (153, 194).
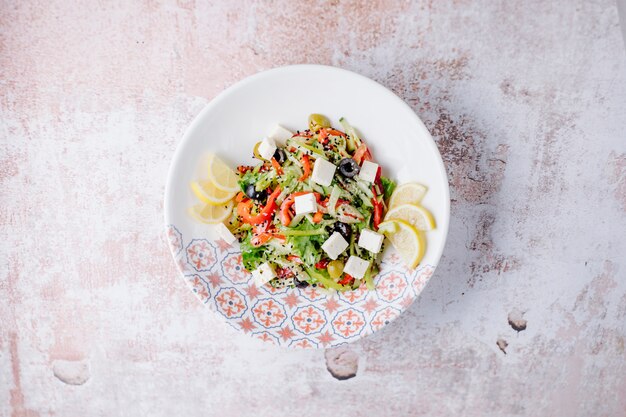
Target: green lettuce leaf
(249, 177)
(388, 187)
(251, 256)
(308, 248)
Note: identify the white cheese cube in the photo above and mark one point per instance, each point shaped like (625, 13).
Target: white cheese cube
(368, 171)
(356, 267)
(225, 234)
(280, 135)
(263, 274)
(371, 240)
(305, 204)
(335, 245)
(323, 172)
(266, 149)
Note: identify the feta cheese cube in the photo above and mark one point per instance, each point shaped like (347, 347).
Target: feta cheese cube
(356, 267)
(225, 234)
(323, 172)
(263, 274)
(280, 135)
(368, 171)
(371, 240)
(305, 204)
(335, 245)
(266, 149)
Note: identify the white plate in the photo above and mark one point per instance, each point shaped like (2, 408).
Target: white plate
(230, 126)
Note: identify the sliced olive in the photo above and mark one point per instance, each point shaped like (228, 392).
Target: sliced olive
(280, 156)
(335, 269)
(344, 230)
(252, 193)
(318, 121)
(348, 167)
(300, 284)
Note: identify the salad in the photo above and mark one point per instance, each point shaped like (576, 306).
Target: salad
(309, 211)
(314, 210)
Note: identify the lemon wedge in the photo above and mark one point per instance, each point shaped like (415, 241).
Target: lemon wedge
(222, 176)
(408, 241)
(417, 216)
(210, 213)
(207, 192)
(409, 193)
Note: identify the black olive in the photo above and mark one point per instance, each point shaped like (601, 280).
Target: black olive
(280, 156)
(348, 167)
(261, 196)
(252, 193)
(344, 230)
(300, 284)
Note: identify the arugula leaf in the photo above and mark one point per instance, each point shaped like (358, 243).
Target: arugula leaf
(388, 187)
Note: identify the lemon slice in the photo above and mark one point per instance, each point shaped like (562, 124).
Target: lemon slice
(408, 241)
(208, 193)
(210, 213)
(222, 176)
(409, 193)
(416, 216)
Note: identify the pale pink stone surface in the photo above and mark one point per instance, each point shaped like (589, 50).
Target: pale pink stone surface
(527, 101)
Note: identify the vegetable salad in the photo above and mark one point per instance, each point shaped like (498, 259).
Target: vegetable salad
(304, 201)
